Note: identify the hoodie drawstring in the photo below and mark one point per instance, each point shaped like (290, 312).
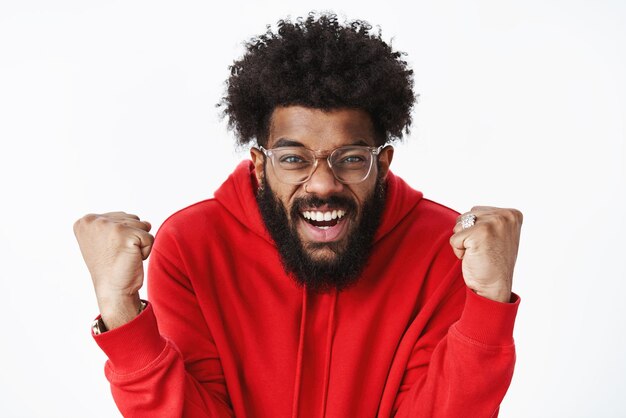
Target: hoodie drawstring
(329, 345)
(296, 386)
(330, 333)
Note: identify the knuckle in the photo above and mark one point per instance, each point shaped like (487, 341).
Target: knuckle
(508, 214)
(90, 217)
(81, 222)
(482, 208)
(489, 228)
(119, 228)
(100, 219)
(511, 216)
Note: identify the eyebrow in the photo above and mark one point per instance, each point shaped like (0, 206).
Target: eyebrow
(286, 142)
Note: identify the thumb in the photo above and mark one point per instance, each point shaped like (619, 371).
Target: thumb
(458, 247)
(145, 251)
(145, 243)
(459, 253)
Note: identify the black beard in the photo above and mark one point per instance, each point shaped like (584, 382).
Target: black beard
(322, 275)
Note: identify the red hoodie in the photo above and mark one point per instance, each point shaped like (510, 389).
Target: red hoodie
(228, 333)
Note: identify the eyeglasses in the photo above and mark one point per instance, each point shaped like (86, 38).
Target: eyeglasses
(295, 165)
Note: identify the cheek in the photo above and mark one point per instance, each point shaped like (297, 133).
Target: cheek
(364, 191)
(284, 193)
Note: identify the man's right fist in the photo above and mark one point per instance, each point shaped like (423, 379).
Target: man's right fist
(114, 246)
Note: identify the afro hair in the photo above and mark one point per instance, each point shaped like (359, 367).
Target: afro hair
(319, 63)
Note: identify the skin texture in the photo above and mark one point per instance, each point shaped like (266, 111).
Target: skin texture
(114, 245)
(489, 250)
(321, 131)
(321, 259)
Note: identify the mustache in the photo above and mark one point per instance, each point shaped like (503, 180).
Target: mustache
(313, 201)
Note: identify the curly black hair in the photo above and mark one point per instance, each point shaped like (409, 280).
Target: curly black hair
(319, 63)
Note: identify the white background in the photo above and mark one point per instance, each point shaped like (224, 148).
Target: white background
(110, 105)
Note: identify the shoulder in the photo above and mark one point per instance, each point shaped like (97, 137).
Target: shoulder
(407, 207)
(431, 226)
(192, 221)
(431, 223)
(435, 212)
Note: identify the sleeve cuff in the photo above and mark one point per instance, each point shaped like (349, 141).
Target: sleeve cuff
(134, 345)
(487, 321)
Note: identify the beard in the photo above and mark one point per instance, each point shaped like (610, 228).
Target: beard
(349, 256)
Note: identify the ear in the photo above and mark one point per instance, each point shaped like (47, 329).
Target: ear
(384, 161)
(257, 159)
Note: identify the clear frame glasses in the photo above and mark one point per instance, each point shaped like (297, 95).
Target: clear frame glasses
(295, 165)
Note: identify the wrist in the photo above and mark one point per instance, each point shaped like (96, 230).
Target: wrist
(98, 326)
(498, 294)
(117, 310)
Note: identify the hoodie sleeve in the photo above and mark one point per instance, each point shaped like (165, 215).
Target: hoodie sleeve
(463, 369)
(149, 375)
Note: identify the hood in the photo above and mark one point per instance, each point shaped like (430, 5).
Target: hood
(237, 195)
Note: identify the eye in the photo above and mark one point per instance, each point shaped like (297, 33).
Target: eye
(292, 159)
(352, 159)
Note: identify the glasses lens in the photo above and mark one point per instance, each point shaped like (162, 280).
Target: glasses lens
(351, 164)
(293, 164)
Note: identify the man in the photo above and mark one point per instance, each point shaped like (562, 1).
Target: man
(315, 282)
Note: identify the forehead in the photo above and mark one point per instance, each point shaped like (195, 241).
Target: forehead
(321, 130)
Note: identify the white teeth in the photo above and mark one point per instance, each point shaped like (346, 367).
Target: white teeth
(323, 216)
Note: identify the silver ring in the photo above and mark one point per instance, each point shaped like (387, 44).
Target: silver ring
(468, 220)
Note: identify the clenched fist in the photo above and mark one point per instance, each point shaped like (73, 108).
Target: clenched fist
(114, 246)
(489, 250)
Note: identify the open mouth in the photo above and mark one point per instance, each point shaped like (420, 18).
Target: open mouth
(323, 219)
(323, 226)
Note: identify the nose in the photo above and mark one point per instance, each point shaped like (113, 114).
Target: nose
(323, 181)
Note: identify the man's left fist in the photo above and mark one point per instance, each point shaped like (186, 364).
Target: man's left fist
(489, 250)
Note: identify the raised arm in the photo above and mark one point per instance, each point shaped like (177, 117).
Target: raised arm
(149, 374)
(462, 363)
